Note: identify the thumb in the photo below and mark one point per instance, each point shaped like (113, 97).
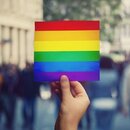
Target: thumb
(65, 87)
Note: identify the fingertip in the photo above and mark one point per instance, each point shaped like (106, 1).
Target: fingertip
(53, 84)
(64, 78)
(78, 88)
(75, 83)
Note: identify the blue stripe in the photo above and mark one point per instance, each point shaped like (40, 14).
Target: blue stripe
(66, 66)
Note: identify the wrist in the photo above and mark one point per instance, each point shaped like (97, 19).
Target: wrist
(66, 123)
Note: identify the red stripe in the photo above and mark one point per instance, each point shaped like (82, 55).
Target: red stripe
(67, 25)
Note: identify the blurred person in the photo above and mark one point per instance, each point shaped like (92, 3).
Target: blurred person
(120, 68)
(74, 102)
(126, 91)
(29, 92)
(8, 97)
(88, 113)
(1, 78)
(12, 82)
(1, 85)
(103, 94)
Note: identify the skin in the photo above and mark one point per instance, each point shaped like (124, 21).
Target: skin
(74, 103)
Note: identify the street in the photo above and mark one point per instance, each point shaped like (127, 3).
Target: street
(45, 117)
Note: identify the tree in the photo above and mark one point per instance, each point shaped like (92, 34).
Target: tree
(107, 11)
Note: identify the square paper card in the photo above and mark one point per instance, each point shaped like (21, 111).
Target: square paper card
(67, 48)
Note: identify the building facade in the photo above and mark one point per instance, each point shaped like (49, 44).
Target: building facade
(17, 19)
(122, 32)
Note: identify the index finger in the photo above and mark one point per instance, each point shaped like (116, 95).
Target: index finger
(78, 88)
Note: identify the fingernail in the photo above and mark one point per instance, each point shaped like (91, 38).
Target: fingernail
(64, 78)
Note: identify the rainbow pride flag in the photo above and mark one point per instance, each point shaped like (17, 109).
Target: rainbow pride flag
(67, 48)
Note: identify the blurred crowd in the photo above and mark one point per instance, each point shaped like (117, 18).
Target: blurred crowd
(15, 83)
(109, 95)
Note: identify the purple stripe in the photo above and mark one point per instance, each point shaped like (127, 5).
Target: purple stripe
(73, 76)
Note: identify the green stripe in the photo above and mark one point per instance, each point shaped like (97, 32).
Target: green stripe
(66, 56)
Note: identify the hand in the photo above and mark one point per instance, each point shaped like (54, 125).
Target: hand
(74, 102)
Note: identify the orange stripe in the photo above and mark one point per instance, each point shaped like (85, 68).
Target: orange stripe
(66, 35)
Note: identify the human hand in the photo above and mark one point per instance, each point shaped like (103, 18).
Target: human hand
(74, 102)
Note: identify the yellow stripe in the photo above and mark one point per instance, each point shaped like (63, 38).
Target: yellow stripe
(66, 35)
(66, 46)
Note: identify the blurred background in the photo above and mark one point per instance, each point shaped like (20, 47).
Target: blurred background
(25, 105)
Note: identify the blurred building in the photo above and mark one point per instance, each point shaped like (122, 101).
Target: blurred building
(17, 29)
(122, 32)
